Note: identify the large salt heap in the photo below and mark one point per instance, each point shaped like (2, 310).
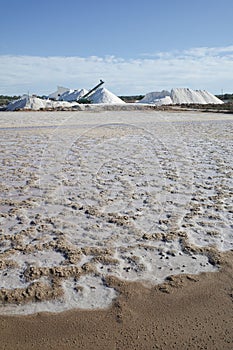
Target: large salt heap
(102, 95)
(179, 96)
(72, 95)
(185, 95)
(26, 102)
(158, 98)
(35, 104)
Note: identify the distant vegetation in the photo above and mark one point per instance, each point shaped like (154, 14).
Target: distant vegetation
(4, 100)
(226, 97)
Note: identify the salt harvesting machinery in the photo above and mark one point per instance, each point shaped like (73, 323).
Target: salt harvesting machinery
(84, 98)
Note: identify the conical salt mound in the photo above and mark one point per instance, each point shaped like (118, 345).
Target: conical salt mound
(26, 102)
(179, 96)
(102, 95)
(185, 95)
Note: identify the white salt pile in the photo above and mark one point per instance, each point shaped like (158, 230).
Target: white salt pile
(100, 95)
(160, 98)
(26, 102)
(35, 104)
(60, 90)
(103, 95)
(179, 96)
(72, 95)
(185, 95)
(68, 98)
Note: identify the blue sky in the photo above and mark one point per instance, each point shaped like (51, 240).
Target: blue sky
(135, 46)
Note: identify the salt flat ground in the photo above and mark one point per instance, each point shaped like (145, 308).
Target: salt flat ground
(139, 195)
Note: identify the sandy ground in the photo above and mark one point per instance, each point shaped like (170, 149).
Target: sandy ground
(158, 187)
(194, 313)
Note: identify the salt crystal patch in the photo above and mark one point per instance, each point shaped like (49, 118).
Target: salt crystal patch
(89, 293)
(223, 241)
(140, 263)
(11, 278)
(44, 258)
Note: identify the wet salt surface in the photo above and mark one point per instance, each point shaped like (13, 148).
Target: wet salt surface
(136, 195)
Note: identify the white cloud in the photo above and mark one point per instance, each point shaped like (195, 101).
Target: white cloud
(198, 68)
